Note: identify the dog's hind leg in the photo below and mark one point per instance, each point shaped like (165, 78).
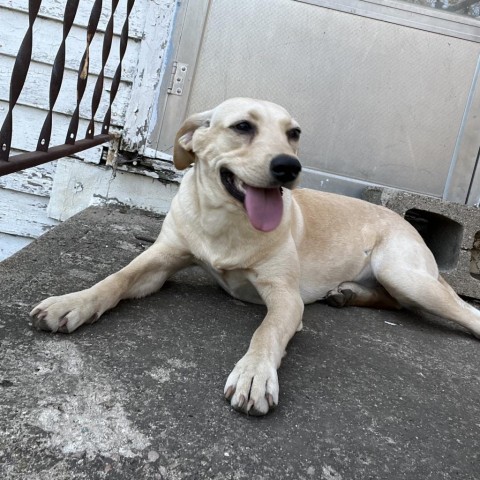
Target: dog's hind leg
(349, 294)
(415, 284)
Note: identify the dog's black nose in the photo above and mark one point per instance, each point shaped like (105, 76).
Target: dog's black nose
(285, 168)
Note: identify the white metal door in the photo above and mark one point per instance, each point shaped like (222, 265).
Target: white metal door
(378, 102)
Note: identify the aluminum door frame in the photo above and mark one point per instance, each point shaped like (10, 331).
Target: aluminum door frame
(409, 15)
(463, 181)
(184, 47)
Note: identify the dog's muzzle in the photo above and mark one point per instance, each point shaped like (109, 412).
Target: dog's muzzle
(264, 205)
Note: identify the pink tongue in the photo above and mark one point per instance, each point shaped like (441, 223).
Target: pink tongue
(264, 207)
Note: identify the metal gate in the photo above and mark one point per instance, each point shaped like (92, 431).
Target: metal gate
(379, 102)
(44, 151)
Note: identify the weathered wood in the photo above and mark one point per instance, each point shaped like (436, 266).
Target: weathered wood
(47, 37)
(24, 195)
(9, 244)
(78, 185)
(54, 9)
(141, 116)
(35, 180)
(23, 214)
(36, 89)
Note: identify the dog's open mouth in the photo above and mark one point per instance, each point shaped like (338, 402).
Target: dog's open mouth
(264, 206)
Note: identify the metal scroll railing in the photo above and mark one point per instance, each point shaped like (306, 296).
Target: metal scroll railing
(44, 152)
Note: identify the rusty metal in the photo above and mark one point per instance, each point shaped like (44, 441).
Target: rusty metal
(97, 91)
(20, 70)
(44, 153)
(32, 159)
(57, 75)
(118, 73)
(83, 71)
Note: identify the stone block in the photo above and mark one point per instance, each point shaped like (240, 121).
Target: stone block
(451, 231)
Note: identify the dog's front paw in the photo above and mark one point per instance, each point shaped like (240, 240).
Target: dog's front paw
(252, 387)
(65, 313)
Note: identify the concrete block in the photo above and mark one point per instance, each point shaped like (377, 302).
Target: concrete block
(451, 231)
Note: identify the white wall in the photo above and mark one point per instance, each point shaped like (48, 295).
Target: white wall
(24, 196)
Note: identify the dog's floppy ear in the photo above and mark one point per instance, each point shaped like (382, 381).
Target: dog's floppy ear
(183, 154)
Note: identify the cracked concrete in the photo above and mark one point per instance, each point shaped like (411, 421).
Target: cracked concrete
(365, 394)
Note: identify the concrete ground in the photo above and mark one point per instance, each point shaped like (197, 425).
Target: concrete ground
(364, 394)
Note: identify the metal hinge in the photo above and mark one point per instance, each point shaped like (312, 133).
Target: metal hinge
(179, 73)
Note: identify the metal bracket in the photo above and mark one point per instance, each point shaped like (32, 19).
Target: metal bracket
(179, 73)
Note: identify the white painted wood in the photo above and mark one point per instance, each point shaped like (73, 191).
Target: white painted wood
(35, 180)
(142, 110)
(10, 244)
(24, 196)
(23, 214)
(36, 92)
(54, 9)
(47, 37)
(139, 113)
(78, 185)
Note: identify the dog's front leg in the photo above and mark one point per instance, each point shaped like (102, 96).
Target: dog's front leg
(144, 275)
(252, 387)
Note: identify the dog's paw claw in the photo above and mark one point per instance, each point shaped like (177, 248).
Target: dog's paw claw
(93, 319)
(65, 313)
(241, 402)
(252, 387)
(39, 322)
(229, 393)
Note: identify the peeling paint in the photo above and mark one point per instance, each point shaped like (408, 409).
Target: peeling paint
(151, 66)
(23, 214)
(24, 195)
(35, 181)
(102, 185)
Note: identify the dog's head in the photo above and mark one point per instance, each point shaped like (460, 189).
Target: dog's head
(249, 147)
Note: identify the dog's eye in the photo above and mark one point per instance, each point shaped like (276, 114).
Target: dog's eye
(294, 134)
(243, 127)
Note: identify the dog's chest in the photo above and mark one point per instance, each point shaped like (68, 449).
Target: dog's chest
(235, 282)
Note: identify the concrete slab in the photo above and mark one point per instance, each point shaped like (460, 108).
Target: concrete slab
(365, 394)
(451, 230)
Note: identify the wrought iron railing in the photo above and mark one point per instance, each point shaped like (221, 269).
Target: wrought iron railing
(44, 152)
